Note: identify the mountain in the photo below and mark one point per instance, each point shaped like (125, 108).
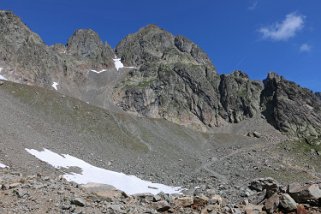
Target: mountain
(318, 94)
(159, 75)
(154, 107)
(290, 108)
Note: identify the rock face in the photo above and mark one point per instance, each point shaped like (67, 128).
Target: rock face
(166, 77)
(85, 44)
(240, 96)
(318, 95)
(25, 58)
(28, 59)
(290, 108)
(174, 79)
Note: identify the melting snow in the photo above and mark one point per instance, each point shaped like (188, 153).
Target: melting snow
(2, 165)
(98, 72)
(54, 85)
(118, 63)
(2, 77)
(91, 174)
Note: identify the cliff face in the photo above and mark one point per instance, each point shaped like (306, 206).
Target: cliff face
(318, 95)
(25, 58)
(174, 79)
(240, 96)
(165, 76)
(290, 108)
(23, 53)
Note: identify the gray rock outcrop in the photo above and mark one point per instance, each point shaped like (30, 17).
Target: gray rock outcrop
(86, 45)
(240, 96)
(25, 56)
(318, 95)
(291, 108)
(174, 79)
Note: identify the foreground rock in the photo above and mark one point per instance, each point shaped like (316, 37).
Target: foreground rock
(38, 194)
(287, 198)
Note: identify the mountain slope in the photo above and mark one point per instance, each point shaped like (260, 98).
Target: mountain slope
(153, 149)
(162, 76)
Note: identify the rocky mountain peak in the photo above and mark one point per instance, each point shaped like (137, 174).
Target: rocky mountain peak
(240, 96)
(291, 108)
(145, 46)
(318, 94)
(86, 43)
(274, 76)
(168, 77)
(154, 44)
(23, 52)
(174, 79)
(187, 46)
(13, 29)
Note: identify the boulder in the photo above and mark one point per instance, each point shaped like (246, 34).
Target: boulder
(287, 202)
(104, 191)
(253, 209)
(269, 184)
(186, 201)
(305, 194)
(78, 202)
(161, 206)
(271, 204)
(200, 201)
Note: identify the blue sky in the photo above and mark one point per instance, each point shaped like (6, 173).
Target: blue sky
(255, 36)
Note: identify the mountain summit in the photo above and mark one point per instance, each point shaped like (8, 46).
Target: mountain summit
(158, 75)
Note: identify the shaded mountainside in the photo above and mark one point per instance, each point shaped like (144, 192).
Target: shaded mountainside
(318, 95)
(290, 108)
(174, 79)
(166, 77)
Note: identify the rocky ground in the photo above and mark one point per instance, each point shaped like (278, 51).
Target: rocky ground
(156, 150)
(50, 194)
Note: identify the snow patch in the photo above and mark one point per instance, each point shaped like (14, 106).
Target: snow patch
(118, 63)
(54, 85)
(98, 72)
(3, 166)
(90, 174)
(2, 77)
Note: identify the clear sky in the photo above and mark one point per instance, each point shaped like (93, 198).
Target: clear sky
(255, 36)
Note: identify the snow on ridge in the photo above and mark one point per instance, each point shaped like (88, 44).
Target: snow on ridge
(54, 85)
(118, 63)
(3, 166)
(98, 72)
(91, 174)
(2, 77)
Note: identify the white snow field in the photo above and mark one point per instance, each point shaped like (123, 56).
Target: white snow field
(90, 174)
(2, 165)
